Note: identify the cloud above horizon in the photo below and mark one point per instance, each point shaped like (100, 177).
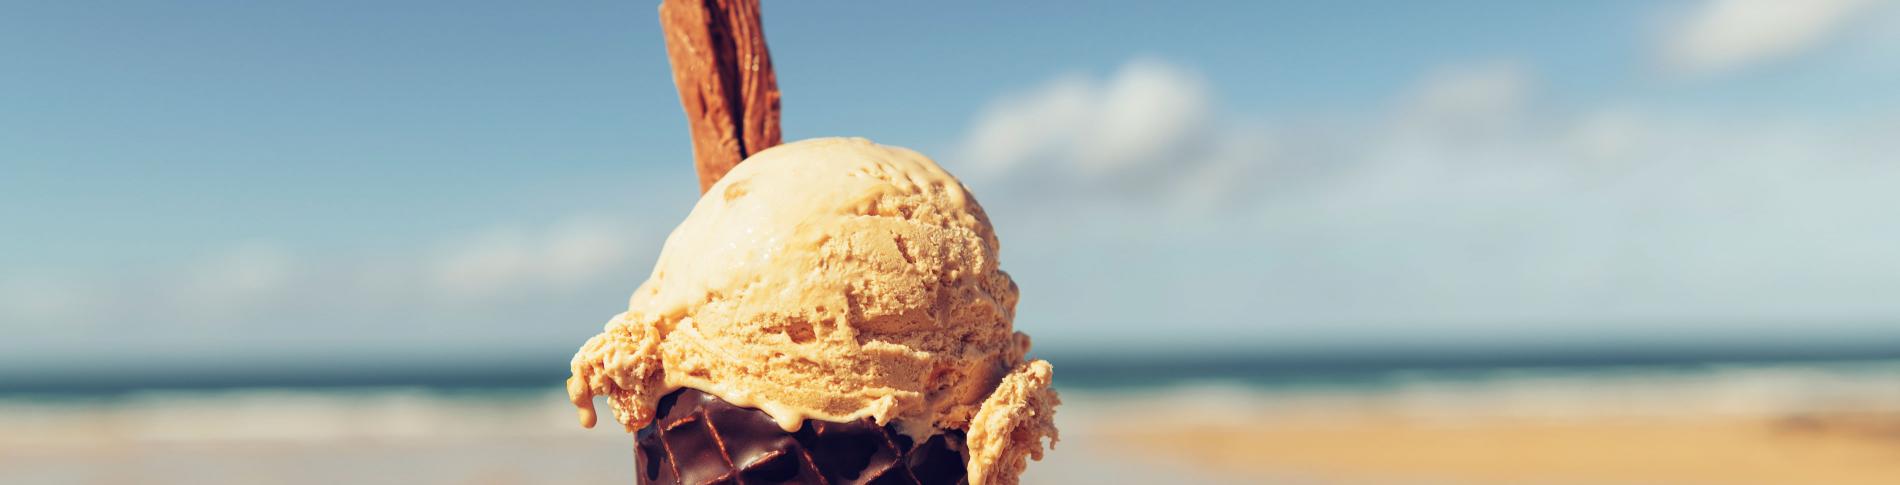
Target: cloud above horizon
(1726, 35)
(1722, 173)
(1145, 133)
(1470, 205)
(475, 289)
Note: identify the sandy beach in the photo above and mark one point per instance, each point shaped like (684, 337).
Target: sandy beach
(1742, 426)
(1311, 449)
(1835, 449)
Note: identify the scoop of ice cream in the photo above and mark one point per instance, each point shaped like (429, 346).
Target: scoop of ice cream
(832, 279)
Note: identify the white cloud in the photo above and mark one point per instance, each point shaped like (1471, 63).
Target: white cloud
(1467, 208)
(1723, 35)
(1085, 127)
(1227, 168)
(223, 286)
(1142, 115)
(1146, 129)
(571, 252)
(1466, 97)
(1606, 136)
(1020, 129)
(491, 285)
(484, 264)
(579, 250)
(242, 277)
(45, 301)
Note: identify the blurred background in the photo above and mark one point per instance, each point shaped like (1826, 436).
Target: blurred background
(1263, 242)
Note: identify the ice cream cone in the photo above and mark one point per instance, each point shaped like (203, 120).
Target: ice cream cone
(701, 439)
(831, 312)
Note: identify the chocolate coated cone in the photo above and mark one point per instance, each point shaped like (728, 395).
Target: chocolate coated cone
(701, 439)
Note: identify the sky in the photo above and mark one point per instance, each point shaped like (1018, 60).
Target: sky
(196, 182)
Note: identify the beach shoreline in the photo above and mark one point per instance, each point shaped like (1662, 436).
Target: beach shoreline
(1782, 423)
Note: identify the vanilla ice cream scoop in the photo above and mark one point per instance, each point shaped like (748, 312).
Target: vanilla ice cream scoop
(833, 279)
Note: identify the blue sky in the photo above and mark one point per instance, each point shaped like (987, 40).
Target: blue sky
(192, 181)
